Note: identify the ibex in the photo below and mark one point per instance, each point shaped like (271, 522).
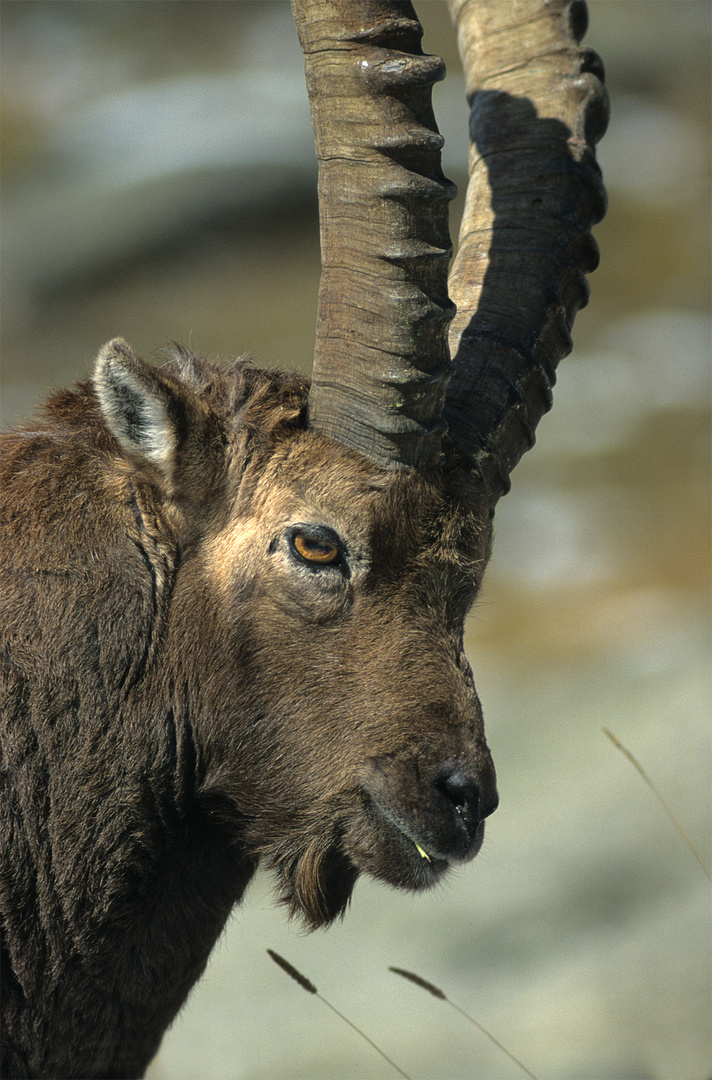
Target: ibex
(233, 602)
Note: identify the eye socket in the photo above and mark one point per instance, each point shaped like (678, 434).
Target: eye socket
(316, 547)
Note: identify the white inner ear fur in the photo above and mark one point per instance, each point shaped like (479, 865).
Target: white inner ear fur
(132, 402)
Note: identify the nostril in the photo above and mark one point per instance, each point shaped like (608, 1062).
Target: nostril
(466, 795)
(460, 790)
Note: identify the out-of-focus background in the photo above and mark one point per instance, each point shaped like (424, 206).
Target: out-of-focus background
(159, 183)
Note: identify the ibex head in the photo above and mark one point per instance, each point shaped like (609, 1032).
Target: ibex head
(314, 626)
(331, 539)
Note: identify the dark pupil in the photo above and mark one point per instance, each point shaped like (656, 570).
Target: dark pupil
(318, 549)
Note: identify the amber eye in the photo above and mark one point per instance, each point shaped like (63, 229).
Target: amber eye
(315, 549)
(317, 546)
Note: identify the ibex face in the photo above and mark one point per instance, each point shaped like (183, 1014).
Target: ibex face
(338, 721)
(346, 590)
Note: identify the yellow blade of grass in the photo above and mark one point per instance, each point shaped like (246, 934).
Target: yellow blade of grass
(634, 761)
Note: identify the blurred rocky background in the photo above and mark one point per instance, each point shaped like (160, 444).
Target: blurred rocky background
(158, 181)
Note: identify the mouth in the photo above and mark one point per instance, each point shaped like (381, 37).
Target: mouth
(437, 859)
(405, 861)
(426, 865)
(406, 854)
(413, 851)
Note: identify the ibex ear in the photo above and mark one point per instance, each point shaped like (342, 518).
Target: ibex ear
(138, 406)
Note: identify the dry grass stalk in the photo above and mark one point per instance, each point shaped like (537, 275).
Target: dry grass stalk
(616, 742)
(438, 993)
(311, 988)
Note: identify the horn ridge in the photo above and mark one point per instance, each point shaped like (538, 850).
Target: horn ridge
(381, 358)
(538, 106)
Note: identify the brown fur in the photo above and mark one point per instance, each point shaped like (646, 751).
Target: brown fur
(183, 698)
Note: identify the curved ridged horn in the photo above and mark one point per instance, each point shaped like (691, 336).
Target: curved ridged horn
(381, 360)
(538, 106)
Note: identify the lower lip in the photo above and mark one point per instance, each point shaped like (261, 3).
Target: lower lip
(472, 850)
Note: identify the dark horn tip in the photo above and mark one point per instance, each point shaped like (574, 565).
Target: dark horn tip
(578, 19)
(597, 115)
(591, 62)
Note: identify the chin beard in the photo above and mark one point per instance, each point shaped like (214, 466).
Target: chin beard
(315, 883)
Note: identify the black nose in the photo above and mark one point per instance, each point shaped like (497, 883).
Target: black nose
(472, 801)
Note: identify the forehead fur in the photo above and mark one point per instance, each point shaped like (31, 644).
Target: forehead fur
(441, 510)
(399, 515)
(245, 397)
